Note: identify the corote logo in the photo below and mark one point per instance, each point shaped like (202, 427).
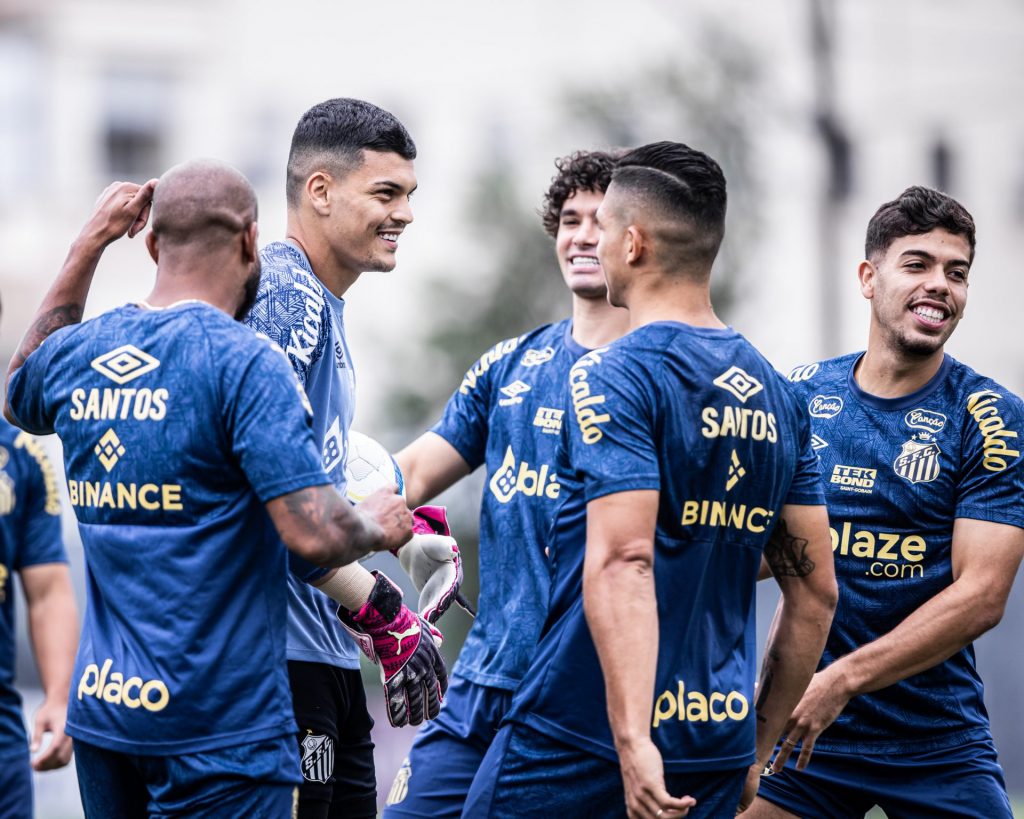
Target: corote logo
(825, 406)
(926, 420)
(109, 450)
(124, 364)
(534, 358)
(738, 382)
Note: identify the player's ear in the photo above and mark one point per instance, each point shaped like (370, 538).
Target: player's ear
(634, 244)
(867, 272)
(318, 192)
(151, 247)
(249, 246)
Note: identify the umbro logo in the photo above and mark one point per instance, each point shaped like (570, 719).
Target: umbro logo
(738, 382)
(513, 393)
(124, 364)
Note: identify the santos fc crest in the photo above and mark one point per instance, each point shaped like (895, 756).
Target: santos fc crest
(317, 757)
(918, 462)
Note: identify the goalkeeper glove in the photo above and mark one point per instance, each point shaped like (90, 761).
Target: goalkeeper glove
(433, 561)
(404, 645)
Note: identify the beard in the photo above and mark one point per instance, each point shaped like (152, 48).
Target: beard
(249, 291)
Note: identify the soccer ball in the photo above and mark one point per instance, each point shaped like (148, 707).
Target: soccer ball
(369, 467)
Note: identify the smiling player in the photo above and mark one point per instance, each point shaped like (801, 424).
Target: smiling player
(350, 176)
(506, 415)
(921, 461)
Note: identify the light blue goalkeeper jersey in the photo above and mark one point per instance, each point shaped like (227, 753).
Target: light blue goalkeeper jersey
(294, 309)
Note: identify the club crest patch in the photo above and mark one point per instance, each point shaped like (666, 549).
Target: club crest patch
(317, 757)
(400, 787)
(918, 461)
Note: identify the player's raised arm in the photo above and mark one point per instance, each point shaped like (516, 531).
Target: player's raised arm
(799, 555)
(122, 208)
(324, 528)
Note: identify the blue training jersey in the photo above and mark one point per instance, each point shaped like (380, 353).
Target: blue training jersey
(698, 415)
(305, 318)
(29, 536)
(508, 413)
(172, 423)
(897, 474)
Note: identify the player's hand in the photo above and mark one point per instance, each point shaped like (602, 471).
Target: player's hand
(643, 775)
(750, 786)
(822, 702)
(123, 208)
(388, 510)
(431, 558)
(50, 719)
(404, 645)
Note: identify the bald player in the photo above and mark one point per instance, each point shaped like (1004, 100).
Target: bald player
(171, 415)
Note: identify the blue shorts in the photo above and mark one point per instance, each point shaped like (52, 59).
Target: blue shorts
(527, 774)
(965, 781)
(16, 787)
(436, 776)
(257, 780)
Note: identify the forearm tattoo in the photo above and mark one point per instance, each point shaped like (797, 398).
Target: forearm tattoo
(771, 657)
(49, 322)
(786, 554)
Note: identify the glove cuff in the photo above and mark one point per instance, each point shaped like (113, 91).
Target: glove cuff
(382, 606)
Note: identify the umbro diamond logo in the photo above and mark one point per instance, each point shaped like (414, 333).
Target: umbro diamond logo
(738, 382)
(124, 364)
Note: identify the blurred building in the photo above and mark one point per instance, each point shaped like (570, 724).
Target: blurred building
(858, 99)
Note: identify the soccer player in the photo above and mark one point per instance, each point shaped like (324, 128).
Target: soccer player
(30, 544)
(684, 458)
(172, 417)
(349, 178)
(507, 415)
(924, 481)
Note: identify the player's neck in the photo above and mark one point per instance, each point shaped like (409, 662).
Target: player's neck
(172, 289)
(672, 299)
(333, 275)
(596, 323)
(886, 373)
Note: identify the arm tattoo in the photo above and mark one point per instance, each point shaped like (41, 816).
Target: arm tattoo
(49, 322)
(787, 554)
(771, 657)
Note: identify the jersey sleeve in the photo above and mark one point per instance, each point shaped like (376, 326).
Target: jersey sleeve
(611, 440)
(991, 483)
(26, 394)
(294, 314)
(270, 422)
(39, 536)
(806, 488)
(466, 418)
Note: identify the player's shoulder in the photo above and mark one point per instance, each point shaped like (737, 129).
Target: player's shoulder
(821, 372)
(970, 385)
(504, 354)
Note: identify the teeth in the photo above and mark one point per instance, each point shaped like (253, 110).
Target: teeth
(929, 313)
(583, 260)
(391, 237)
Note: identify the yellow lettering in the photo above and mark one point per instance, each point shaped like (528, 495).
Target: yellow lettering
(716, 716)
(106, 497)
(145, 490)
(171, 496)
(112, 691)
(697, 707)
(664, 708)
(163, 696)
(890, 540)
(736, 712)
(77, 409)
(711, 428)
(90, 680)
(131, 683)
(912, 548)
(864, 544)
(125, 496)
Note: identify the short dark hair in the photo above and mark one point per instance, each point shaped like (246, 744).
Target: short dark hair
(579, 171)
(333, 134)
(915, 211)
(683, 182)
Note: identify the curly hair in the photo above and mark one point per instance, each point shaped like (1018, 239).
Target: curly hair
(917, 210)
(580, 171)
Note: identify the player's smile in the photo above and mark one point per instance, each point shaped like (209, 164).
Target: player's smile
(390, 238)
(576, 244)
(931, 315)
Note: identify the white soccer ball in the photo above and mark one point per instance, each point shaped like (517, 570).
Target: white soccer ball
(369, 467)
